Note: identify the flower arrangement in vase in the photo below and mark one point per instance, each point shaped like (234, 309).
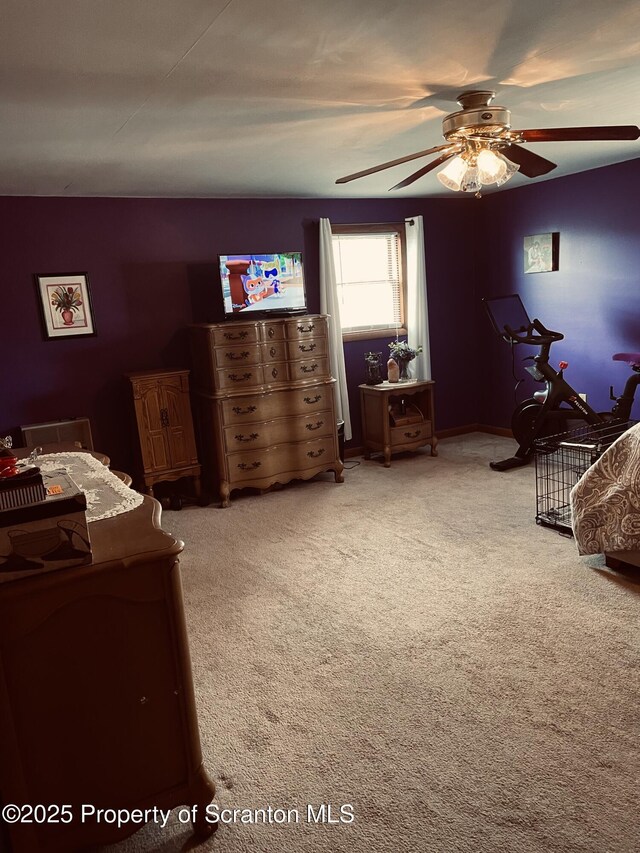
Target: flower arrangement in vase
(66, 300)
(403, 354)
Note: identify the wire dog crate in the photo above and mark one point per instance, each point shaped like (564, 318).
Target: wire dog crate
(560, 461)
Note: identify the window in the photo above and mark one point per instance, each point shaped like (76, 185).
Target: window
(369, 262)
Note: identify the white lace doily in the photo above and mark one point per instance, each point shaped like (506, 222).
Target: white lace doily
(106, 494)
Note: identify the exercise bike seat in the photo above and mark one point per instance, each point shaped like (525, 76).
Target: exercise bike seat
(632, 358)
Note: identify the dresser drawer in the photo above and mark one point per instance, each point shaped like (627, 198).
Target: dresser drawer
(234, 356)
(274, 404)
(272, 330)
(312, 368)
(235, 333)
(286, 459)
(307, 348)
(239, 376)
(305, 328)
(310, 454)
(273, 351)
(278, 431)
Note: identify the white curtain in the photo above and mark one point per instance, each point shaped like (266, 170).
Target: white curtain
(417, 310)
(329, 304)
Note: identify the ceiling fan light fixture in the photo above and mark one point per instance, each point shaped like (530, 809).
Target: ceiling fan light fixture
(453, 173)
(491, 167)
(511, 169)
(471, 182)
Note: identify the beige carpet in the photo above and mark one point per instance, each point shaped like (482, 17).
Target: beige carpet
(412, 643)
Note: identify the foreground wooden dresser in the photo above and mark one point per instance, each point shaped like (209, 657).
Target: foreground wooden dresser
(265, 403)
(96, 696)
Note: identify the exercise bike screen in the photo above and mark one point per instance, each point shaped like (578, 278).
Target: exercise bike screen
(507, 311)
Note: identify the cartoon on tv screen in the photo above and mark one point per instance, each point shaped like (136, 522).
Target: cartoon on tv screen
(262, 282)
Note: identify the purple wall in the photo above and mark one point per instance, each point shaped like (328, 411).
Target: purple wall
(593, 298)
(152, 271)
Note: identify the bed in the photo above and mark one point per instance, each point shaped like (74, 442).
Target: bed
(605, 502)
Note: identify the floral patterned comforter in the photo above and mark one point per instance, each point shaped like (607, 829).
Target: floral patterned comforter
(605, 502)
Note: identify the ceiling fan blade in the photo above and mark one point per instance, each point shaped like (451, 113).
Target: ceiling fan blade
(433, 165)
(532, 165)
(579, 134)
(391, 163)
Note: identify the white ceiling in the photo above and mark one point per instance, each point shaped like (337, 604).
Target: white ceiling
(280, 97)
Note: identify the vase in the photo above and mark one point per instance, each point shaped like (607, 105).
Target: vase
(405, 370)
(67, 317)
(372, 364)
(393, 371)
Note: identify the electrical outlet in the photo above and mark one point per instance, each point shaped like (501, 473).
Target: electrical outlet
(583, 397)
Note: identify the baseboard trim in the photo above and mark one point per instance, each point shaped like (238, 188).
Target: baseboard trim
(506, 433)
(463, 430)
(351, 452)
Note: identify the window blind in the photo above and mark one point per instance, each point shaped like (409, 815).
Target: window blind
(368, 274)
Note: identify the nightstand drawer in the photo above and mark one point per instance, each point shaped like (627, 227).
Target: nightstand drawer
(411, 434)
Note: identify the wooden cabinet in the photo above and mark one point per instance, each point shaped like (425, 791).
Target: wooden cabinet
(397, 416)
(265, 402)
(164, 426)
(96, 695)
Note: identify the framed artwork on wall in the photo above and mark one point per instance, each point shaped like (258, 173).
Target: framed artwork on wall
(541, 252)
(65, 304)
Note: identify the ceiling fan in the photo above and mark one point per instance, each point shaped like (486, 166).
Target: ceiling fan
(482, 149)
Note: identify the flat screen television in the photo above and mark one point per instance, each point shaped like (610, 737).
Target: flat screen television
(262, 284)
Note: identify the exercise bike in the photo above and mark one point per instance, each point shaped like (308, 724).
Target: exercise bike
(551, 410)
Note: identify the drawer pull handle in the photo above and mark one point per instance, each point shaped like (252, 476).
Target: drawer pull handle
(312, 400)
(315, 453)
(271, 332)
(317, 425)
(310, 348)
(231, 337)
(308, 328)
(413, 434)
(251, 437)
(239, 356)
(274, 372)
(244, 466)
(242, 378)
(238, 410)
(308, 368)
(272, 352)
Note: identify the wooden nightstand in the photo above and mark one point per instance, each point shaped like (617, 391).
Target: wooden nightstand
(397, 416)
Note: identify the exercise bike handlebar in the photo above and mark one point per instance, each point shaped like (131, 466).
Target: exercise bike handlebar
(525, 335)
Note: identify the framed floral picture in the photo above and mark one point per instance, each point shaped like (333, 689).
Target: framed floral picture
(65, 303)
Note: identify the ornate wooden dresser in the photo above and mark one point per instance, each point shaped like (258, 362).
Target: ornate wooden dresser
(265, 401)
